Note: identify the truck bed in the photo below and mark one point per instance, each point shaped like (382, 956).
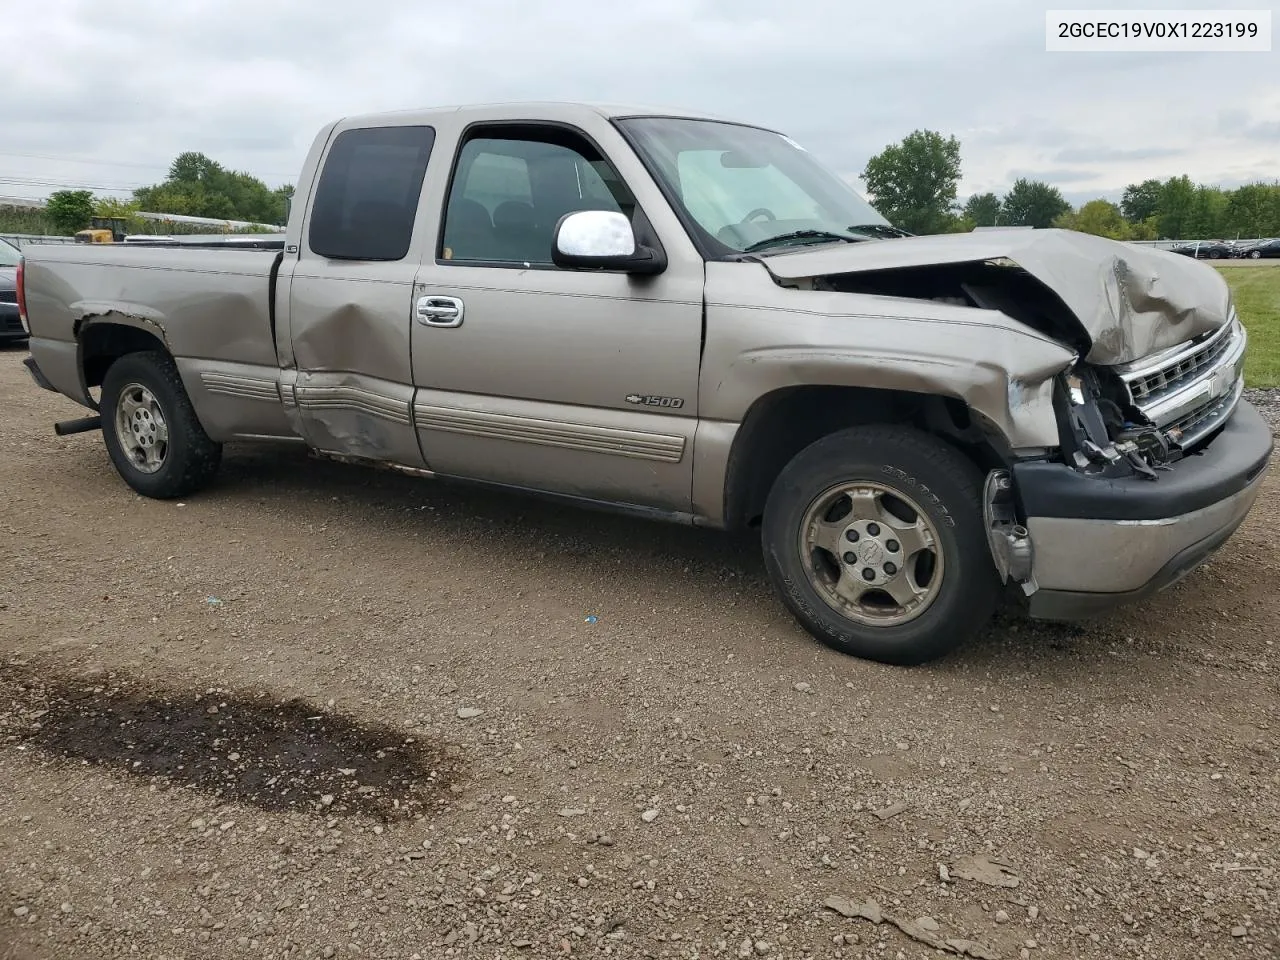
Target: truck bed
(223, 296)
(207, 308)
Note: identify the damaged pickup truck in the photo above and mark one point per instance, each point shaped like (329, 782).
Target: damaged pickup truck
(693, 319)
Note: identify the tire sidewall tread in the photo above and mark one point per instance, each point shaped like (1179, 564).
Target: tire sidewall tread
(192, 457)
(944, 483)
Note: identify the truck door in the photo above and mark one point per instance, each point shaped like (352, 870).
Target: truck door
(583, 383)
(350, 296)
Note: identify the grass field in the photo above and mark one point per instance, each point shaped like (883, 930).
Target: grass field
(1257, 293)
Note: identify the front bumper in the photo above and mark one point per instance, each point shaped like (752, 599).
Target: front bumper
(1101, 543)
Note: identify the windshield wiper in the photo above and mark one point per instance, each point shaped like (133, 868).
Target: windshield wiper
(878, 229)
(800, 235)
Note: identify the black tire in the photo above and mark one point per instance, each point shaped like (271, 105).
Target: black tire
(1255, 255)
(948, 489)
(190, 459)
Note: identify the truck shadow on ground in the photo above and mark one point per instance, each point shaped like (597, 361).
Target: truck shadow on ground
(703, 560)
(281, 756)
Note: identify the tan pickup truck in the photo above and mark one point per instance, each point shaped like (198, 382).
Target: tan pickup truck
(691, 318)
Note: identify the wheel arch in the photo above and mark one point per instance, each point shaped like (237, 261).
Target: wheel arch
(104, 338)
(779, 424)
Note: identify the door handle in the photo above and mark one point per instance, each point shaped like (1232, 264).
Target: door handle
(439, 311)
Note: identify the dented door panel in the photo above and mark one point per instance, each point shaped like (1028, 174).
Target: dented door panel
(352, 317)
(350, 335)
(357, 416)
(349, 304)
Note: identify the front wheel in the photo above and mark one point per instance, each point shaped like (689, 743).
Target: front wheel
(874, 538)
(1255, 254)
(152, 434)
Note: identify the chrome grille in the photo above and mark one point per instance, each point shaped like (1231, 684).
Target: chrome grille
(1190, 390)
(1159, 383)
(1203, 419)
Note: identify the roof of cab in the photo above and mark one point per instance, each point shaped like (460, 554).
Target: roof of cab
(565, 111)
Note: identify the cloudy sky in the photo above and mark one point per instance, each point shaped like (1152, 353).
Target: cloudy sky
(104, 93)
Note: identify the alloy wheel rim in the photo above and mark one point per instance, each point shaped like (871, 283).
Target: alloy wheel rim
(141, 428)
(871, 553)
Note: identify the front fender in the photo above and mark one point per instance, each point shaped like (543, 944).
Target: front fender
(762, 338)
(1019, 404)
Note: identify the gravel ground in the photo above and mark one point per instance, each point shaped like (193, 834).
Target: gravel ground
(1268, 404)
(319, 711)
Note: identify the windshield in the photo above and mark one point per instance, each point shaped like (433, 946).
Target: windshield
(9, 255)
(743, 186)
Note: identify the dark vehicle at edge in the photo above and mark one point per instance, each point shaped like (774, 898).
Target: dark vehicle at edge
(1207, 250)
(1264, 248)
(11, 330)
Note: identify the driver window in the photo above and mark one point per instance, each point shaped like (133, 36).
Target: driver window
(719, 196)
(510, 189)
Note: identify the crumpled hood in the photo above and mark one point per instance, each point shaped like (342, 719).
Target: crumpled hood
(1131, 301)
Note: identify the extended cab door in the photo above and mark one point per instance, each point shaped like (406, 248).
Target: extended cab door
(576, 382)
(347, 297)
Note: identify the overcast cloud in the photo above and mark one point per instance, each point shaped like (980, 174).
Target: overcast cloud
(125, 85)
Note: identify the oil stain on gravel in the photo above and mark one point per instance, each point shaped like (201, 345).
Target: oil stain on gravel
(278, 755)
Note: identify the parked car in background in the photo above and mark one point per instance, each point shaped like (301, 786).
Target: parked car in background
(1260, 249)
(11, 329)
(1206, 249)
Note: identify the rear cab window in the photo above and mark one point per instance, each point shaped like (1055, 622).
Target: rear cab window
(367, 196)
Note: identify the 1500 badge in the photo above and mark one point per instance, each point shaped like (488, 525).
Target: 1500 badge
(671, 403)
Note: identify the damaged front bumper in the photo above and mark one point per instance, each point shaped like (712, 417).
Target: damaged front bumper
(1093, 543)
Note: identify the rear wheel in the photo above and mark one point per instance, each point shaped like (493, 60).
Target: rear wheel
(152, 434)
(1255, 254)
(874, 538)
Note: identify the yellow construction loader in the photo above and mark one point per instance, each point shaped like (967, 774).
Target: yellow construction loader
(102, 230)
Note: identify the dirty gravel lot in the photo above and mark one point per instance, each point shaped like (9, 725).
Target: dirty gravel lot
(319, 711)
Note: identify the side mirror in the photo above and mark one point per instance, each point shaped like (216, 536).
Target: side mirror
(602, 240)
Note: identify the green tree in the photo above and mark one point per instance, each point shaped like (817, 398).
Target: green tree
(1140, 200)
(1177, 198)
(1032, 203)
(114, 207)
(1147, 229)
(1102, 218)
(913, 183)
(201, 187)
(983, 209)
(69, 210)
(193, 168)
(1208, 213)
(1253, 210)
